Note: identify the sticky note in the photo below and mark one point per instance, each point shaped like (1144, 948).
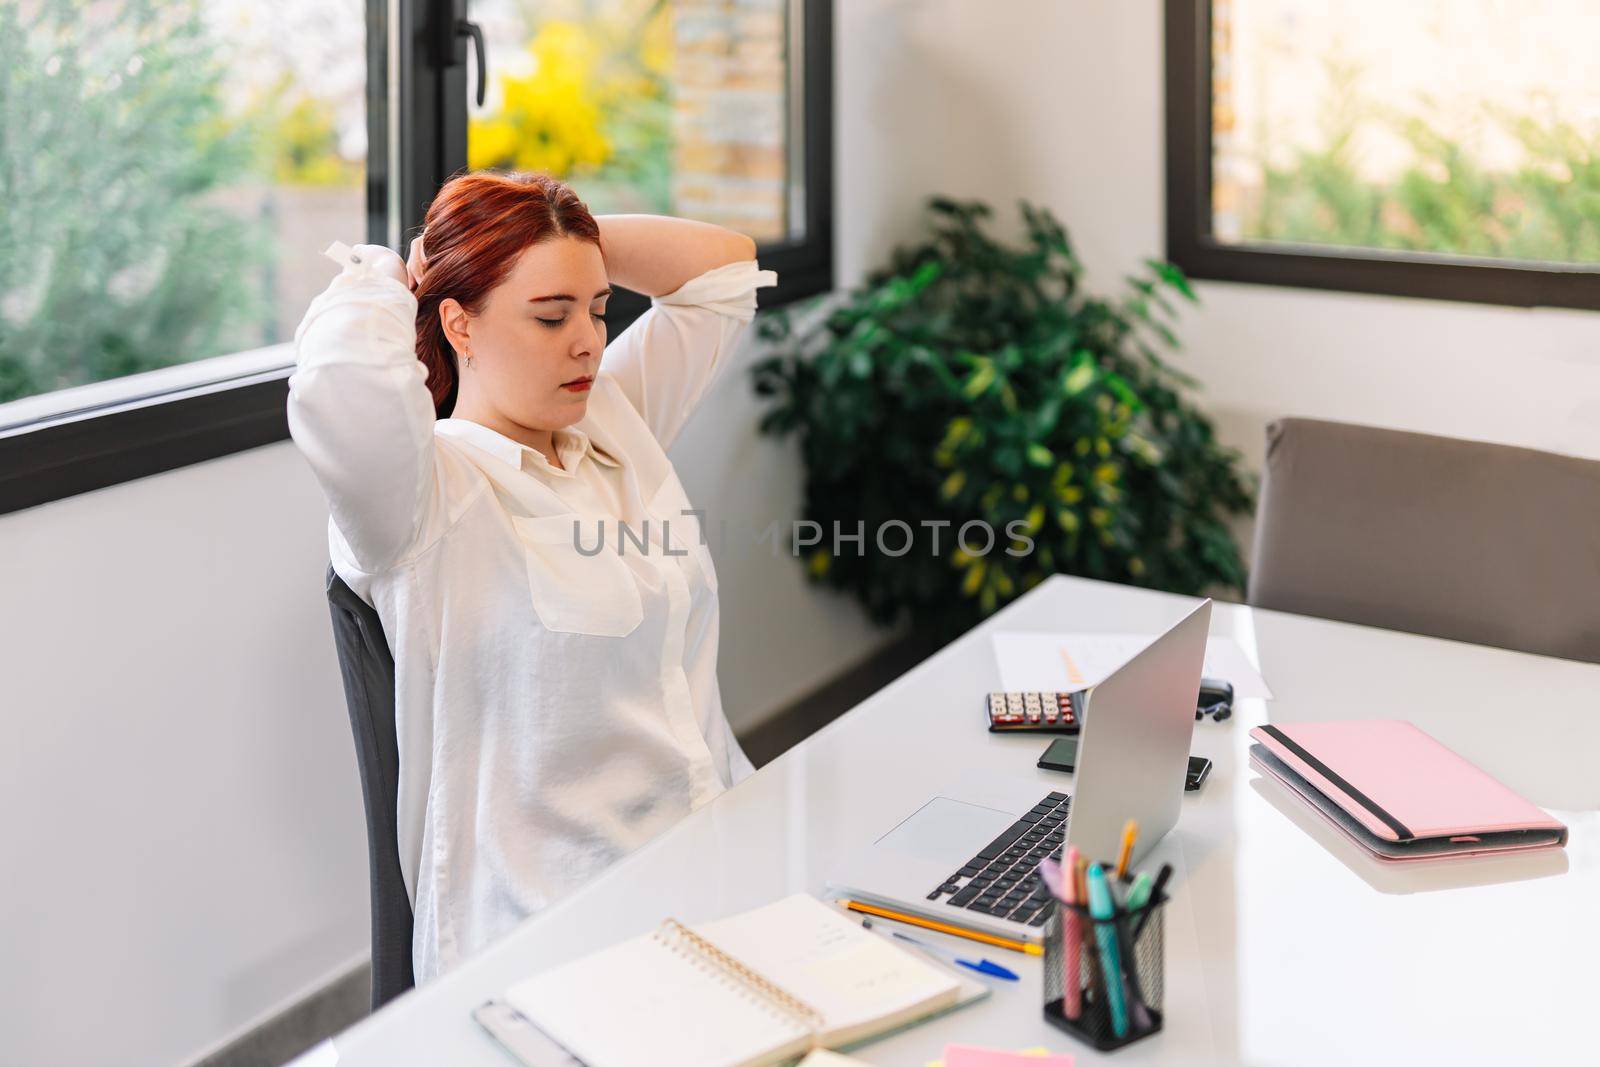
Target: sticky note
(973, 1056)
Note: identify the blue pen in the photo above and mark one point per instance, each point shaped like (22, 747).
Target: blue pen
(981, 966)
(1100, 908)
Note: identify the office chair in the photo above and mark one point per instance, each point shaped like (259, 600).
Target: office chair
(368, 671)
(1433, 535)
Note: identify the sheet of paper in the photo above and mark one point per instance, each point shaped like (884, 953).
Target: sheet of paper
(1057, 662)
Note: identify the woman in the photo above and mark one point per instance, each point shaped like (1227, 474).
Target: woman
(555, 706)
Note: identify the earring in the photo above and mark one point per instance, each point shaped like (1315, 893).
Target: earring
(469, 359)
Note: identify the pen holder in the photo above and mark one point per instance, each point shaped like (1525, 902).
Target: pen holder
(1077, 952)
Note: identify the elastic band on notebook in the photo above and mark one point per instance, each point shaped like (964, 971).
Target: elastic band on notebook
(1349, 790)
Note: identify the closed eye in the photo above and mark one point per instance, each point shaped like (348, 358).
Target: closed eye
(556, 323)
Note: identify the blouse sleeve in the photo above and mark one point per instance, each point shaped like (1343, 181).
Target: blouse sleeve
(667, 359)
(359, 406)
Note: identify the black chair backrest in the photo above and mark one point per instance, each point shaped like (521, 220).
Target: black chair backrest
(368, 670)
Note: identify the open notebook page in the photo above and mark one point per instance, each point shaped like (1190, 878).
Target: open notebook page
(642, 1002)
(862, 984)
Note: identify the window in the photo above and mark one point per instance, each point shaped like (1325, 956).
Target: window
(173, 170)
(696, 108)
(177, 166)
(1434, 148)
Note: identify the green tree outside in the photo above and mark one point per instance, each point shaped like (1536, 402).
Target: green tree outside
(112, 260)
(1547, 209)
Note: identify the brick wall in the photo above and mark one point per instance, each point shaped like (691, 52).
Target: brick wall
(729, 114)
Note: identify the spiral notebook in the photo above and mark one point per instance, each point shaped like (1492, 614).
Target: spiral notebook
(762, 987)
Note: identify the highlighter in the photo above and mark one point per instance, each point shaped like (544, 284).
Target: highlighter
(1071, 941)
(1088, 959)
(1139, 892)
(1102, 910)
(1138, 897)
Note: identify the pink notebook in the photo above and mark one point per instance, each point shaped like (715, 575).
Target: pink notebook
(1398, 793)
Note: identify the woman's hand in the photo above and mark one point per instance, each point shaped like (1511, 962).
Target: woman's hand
(378, 259)
(416, 263)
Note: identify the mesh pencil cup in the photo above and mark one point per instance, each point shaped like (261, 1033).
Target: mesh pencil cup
(1103, 977)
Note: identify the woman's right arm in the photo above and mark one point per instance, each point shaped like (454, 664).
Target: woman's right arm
(359, 406)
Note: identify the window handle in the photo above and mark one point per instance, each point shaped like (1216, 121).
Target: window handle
(446, 26)
(466, 27)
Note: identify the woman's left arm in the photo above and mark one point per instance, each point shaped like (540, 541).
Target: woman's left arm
(656, 254)
(702, 281)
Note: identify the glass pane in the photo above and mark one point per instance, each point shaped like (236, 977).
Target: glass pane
(1459, 127)
(175, 168)
(678, 108)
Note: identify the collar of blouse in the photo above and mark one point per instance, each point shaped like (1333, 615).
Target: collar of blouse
(571, 443)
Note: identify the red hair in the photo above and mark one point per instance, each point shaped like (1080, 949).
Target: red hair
(476, 227)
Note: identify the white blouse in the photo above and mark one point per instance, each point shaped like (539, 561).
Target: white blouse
(555, 707)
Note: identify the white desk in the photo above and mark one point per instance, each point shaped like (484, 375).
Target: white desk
(1285, 945)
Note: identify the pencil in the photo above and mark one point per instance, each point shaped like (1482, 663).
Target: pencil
(1129, 832)
(944, 928)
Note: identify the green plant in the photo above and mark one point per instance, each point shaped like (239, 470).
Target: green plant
(113, 140)
(975, 380)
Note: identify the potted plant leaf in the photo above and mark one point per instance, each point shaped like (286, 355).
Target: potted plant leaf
(975, 383)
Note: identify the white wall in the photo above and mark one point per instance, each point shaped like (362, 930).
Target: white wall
(184, 842)
(185, 847)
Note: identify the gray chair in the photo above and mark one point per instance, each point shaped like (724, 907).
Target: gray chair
(1432, 535)
(368, 671)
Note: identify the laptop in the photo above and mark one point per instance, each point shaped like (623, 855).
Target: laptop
(968, 856)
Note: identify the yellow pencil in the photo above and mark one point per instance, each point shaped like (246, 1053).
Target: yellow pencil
(944, 928)
(1129, 832)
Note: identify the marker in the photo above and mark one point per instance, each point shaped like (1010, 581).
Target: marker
(1129, 832)
(1071, 940)
(1161, 879)
(1054, 879)
(1101, 908)
(943, 928)
(981, 966)
(1139, 894)
(1136, 1006)
(1088, 958)
(1155, 894)
(1138, 897)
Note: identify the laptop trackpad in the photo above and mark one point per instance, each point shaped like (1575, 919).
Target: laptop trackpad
(946, 832)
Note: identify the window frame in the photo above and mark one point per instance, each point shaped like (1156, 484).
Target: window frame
(1193, 247)
(100, 446)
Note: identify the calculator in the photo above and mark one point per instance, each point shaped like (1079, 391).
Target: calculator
(1038, 713)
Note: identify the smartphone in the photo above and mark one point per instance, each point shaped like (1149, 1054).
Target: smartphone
(1062, 755)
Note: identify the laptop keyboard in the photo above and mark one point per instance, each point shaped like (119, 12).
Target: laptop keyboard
(1002, 879)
